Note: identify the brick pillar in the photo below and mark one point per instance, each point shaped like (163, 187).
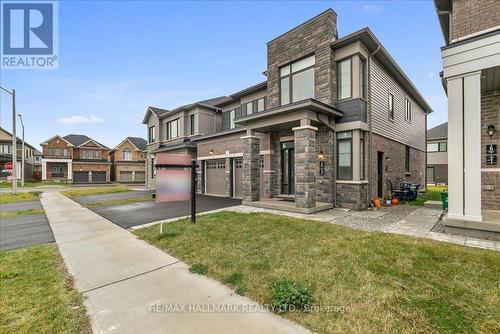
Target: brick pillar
(251, 173)
(305, 166)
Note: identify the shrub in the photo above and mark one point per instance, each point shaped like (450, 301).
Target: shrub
(241, 291)
(232, 278)
(288, 295)
(198, 268)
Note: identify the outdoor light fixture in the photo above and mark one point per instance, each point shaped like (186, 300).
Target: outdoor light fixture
(321, 156)
(211, 152)
(388, 158)
(491, 130)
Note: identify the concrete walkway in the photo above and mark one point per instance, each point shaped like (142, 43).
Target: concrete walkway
(130, 285)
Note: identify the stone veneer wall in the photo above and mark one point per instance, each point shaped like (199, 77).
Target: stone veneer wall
(470, 16)
(490, 181)
(352, 196)
(324, 183)
(305, 166)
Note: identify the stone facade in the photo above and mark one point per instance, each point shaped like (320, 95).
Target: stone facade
(305, 166)
(490, 176)
(251, 172)
(352, 195)
(471, 16)
(325, 143)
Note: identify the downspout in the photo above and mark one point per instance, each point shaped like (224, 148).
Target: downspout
(370, 158)
(334, 183)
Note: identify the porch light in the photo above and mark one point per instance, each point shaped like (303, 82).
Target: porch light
(491, 130)
(321, 156)
(211, 152)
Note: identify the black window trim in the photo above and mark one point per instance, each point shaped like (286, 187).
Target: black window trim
(350, 57)
(351, 142)
(389, 111)
(289, 78)
(168, 128)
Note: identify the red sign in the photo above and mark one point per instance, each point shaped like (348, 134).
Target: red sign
(173, 183)
(7, 165)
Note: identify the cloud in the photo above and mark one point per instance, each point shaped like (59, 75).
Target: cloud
(430, 75)
(77, 119)
(371, 9)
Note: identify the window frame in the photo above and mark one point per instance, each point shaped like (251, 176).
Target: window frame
(432, 151)
(151, 134)
(407, 160)
(169, 129)
(362, 165)
(362, 78)
(408, 109)
(289, 78)
(350, 139)
(390, 106)
(339, 63)
(443, 143)
(192, 124)
(126, 150)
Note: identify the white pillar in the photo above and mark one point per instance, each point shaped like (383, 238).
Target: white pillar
(70, 170)
(44, 170)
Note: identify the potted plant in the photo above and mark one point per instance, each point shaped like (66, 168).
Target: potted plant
(388, 199)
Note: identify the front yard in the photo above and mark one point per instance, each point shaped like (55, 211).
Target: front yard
(87, 191)
(19, 197)
(37, 294)
(379, 282)
(433, 193)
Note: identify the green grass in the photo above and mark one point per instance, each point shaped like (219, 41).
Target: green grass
(32, 183)
(7, 214)
(95, 191)
(37, 294)
(387, 283)
(19, 197)
(120, 201)
(433, 193)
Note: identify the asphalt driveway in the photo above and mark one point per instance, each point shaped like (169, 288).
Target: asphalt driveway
(140, 213)
(23, 231)
(110, 197)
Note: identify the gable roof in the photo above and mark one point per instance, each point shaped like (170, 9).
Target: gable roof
(155, 111)
(19, 140)
(79, 140)
(440, 131)
(140, 143)
(53, 137)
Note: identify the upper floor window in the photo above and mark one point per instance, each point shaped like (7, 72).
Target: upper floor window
(5, 149)
(344, 71)
(261, 104)
(126, 154)
(151, 134)
(91, 154)
(297, 81)
(57, 151)
(191, 124)
(228, 119)
(362, 77)
(437, 147)
(407, 110)
(173, 129)
(390, 106)
(249, 108)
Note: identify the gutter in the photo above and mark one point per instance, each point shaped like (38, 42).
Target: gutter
(370, 141)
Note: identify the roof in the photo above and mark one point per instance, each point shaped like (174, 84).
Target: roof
(443, 9)
(371, 42)
(140, 143)
(440, 131)
(154, 110)
(19, 140)
(78, 140)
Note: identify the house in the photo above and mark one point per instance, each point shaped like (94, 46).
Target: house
(75, 158)
(471, 79)
(6, 155)
(437, 154)
(334, 121)
(129, 161)
(37, 168)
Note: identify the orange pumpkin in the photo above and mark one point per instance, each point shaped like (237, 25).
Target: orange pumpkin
(395, 201)
(376, 203)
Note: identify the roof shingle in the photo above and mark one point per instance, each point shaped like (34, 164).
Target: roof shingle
(440, 131)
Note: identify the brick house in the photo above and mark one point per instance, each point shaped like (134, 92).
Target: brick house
(437, 154)
(335, 119)
(471, 79)
(129, 161)
(75, 158)
(6, 156)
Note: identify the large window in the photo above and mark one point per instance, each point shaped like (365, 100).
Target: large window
(57, 171)
(191, 124)
(173, 129)
(407, 159)
(249, 108)
(437, 147)
(151, 134)
(408, 110)
(261, 104)
(126, 154)
(57, 152)
(362, 155)
(344, 155)
(297, 81)
(345, 79)
(390, 106)
(90, 154)
(362, 77)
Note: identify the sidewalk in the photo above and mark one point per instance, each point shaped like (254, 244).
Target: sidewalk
(123, 278)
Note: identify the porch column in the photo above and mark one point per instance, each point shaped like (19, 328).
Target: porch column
(305, 165)
(44, 170)
(70, 170)
(464, 147)
(251, 173)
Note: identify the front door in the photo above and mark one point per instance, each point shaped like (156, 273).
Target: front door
(287, 168)
(380, 174)
(430, 174)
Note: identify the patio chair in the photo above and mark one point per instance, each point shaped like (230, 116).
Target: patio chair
(399, 191)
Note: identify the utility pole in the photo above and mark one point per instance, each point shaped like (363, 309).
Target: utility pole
(23, 154)
(14, 140)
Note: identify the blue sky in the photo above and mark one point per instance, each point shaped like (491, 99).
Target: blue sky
(116, 58)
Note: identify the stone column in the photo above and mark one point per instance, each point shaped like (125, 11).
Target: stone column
(305, 166)
(251, 173)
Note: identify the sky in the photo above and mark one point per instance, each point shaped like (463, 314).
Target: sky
(116, 58)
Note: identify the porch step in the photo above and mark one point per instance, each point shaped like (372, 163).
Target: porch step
(433, 204)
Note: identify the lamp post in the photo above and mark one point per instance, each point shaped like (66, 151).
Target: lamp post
(14, 139)
(23, 153)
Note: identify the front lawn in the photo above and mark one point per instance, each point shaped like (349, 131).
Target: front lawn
(37, 294)
(7, 214)
(383, 282)
(19, 197)
(76, 192)
(120, 201)
(433, 193)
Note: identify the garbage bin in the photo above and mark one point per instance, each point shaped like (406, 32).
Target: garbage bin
(444, 199)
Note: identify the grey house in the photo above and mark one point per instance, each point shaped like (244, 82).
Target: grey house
(334, 120)
(437, 154)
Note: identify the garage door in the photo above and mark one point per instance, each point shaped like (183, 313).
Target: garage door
(238, 178)
(215, 171)
(80, 177)
(140, 176)
(98, 177)
(125, 176)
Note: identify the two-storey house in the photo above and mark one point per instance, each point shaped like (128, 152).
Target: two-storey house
(6, 156)
(471, 79)
(335, 120)
(75, 158)
(437, 154)
(128, 161)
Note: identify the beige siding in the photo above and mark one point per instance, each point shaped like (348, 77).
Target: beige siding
(411, 134)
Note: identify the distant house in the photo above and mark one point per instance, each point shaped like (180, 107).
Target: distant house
(6, 155)
(129, 161)
(37, 168)
(437, 154)
(75, 158)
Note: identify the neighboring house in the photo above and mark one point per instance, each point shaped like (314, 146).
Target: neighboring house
(471, 78)
(437, 154)
(6, 155)
(75, 158)
(303, 135)
(129, 161)
(37, 168)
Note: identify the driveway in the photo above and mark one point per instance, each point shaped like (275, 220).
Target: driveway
(23, 231)
(140, 213)
(111, 197)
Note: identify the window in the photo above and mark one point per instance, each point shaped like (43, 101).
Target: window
(153, 169)
(91, 154)
(408, 110)
(362, 155)
(191, 124)
(443, 147)
(151, 134)
(231, 118)
(362, 78)
(344, 155)
(407, 159)
(345, 79)
(249, 108)
(297, 81)
(173, 129)
(261, 105)
(5, 149)
(433, 147)
(127, 154)
(57, 171)
(390, 105)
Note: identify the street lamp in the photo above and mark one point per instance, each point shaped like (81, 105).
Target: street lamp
(23, 153)
(14, 139)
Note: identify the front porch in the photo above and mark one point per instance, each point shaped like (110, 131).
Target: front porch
(57, 169)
